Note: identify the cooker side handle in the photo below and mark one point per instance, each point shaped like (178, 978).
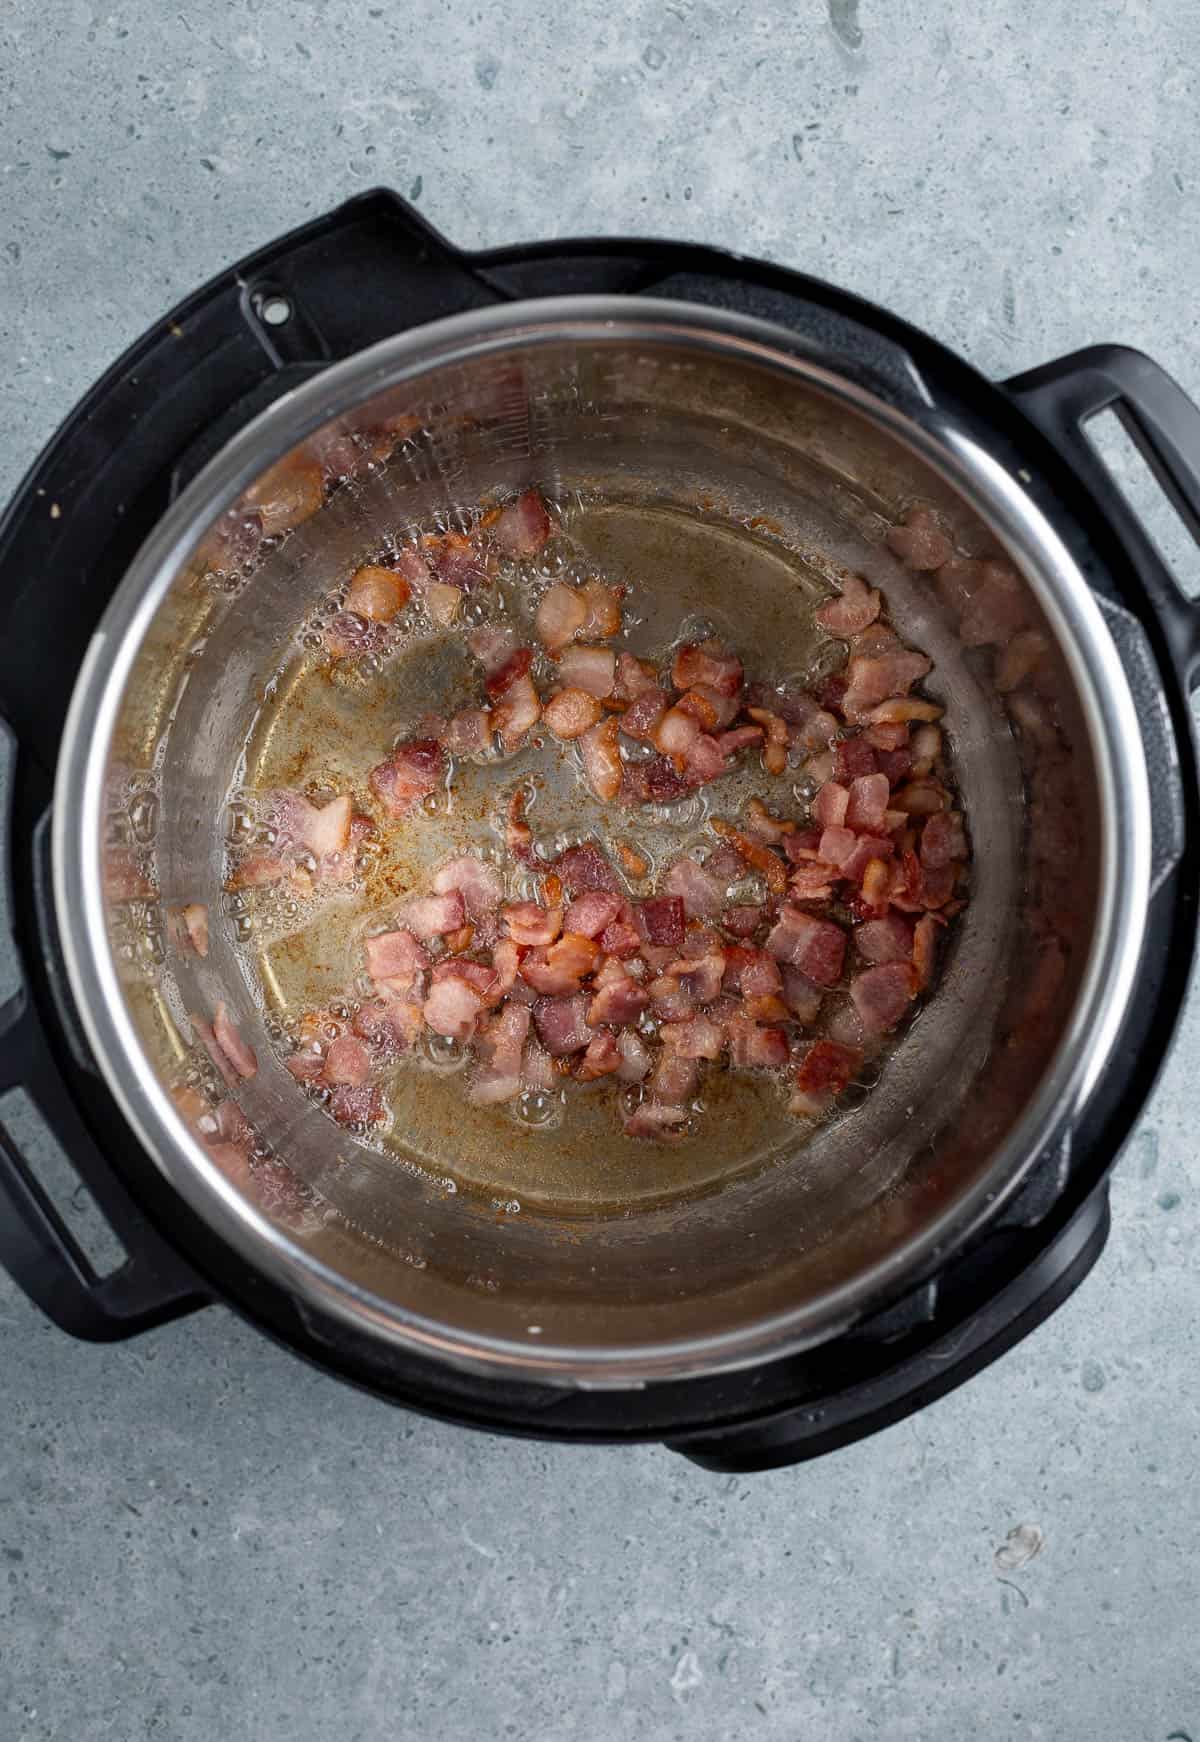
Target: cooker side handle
(45, 1135)
(1164, 425)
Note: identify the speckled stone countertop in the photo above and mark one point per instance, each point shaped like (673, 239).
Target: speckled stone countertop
(201, 1537)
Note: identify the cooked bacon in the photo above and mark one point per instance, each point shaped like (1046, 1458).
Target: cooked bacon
(537, 1067)
(443, 603)
(755, 1048)
(661, 920)
(643, 717)
(830, 805)
(937, 885)
(559, 969)
(347, 1061)
(874, 640)
(669, 998)
(431, 916)
(562, 1024)
(494, 645)
(241, 1056)
(711, 710)
(696, 1038)
(675, 734)
(777, 739)
(1020, 659)
(523, 527)
(894, 765)
(901, 710)
(743, 921)
(469, 733)
(498, 1075)
(853, 611)
(957, 582)
(457, 562)
(889, 939)
(592, 669)
(882, 995)
(824, 1071)
(813, 881)
(707, 662)
(886, 736)
(516, 712)
(585, 867)
(411, 771)
(601, 1059)
(529, 923)
(943, 839)
(377, 593)
(635, 1058)
(518, 836)
(920, 798)
(924, 950)
(872, 681)
(591, 913)
(814, 726)
(868, 801)
(601, 754)
(852, 758)
(760, 857)
(876, 885)
(622, 938)
(453, 1007)
(700, 893)
(619, 998)
(307, 1063)
(561, 614)
(388, 1025)
(476, 881)
(634, 678)
(634, 863)
(674, 1079)
(920, 543)
(194, 918)
(396, 958)
(501, 678)
(997, 609)
(291, 492)
(750, 973)
(570, 713)
(357, 1104)
(816, 946)
(801, 997)
(926, 747)
(603, 610)
(480, 976)
(763, 826)
(801, 844)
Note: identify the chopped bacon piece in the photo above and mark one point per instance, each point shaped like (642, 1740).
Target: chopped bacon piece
(469, 733)
(601, 756)
(755, 1048)
(357, 1104)
(570, 713)
(825, 1070)
(763, 826)
(585, 867)
(307, 1063)
(760, 857)
(742, 922)
(561, 614)
(875, 640)
(813, 881)
(696, 1038)
(457, 562)
(926, 747)
(674, 1080)
(852, 758)
(377, 593)
(592, 669)
(882, 995)
(920, 798)
(601, 1059)
(476, 881)
(707, 662)
(388, 1025)
(661, 920)
(1019, 659)
(700, 892)
(501, 678)
(644, 715)
(195, 926)
(924, 950)
(830, 804)
(523, 527)
(728, 744)
(669, 999)
(517, 710)
(291, 492)
(957, 582)
(396, 958)
(887, 735)
(709, 707)
(443, 603)
(675, 734)
(937, 884)
(777, 738)
(411, 771)
(801, 844)
(751, 973)
(241, 1056)
(997, 609)
(537, 1067)
(802, 998)
(889, 939)
(347, 1061)
(529, 923)
(901, 710)
(591, 913)
(920, 543)
(816, 946)
(562, 1024)
(559, 969)
(432, 916)
(619, 999)
(853, 611)
(635, 677)
(814, 725)
(482, 978)
(943, 839)
(518, 836)
(494, 645)
(635, 1059)
(653, 782)
(700, 977)
(633, 862)
(872, 681)
(498, 1075)
(453, 1007)
(868, 801)
(894, 765)
(603, 607)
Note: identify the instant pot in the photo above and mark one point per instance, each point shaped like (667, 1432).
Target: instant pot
(803, 1304)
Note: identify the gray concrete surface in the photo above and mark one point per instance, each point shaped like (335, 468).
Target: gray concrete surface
(198, 1536)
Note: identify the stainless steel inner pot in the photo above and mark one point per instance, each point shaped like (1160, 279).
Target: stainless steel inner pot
(715, 461)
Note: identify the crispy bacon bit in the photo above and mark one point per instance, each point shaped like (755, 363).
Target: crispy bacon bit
(926, 747)
(850, 614)
(763, 826)
(830, 805)
(867, 802)
(920, 543)
(634, 863)
(889, 939)
(825, 1070)
(760, 857)
(241, 1056)
(777, 739)
(601, 755)
(751, 973)
(801, 844)
(674, 736)
(619, 999)
(903, 709)
(585, 867)
(872, 681)
(516, 712)
(603, 607)
(924, 950)
(559, 969)
(882, 995)
(814, 726)
(711, 710)
(813, 881)
(529, 924)
(562, 1025)
(570, 713)
(654, 782)
(589, 668)
(498, 1075)
(431, 916)
(443, 603)
(816, 946)
(377, 593)
(561, 614)
(707, 662)
(661, 920)
(887, 736)
(920, 798)
(396, 959)
(512, 668)
(622, 938)
(518, 836)
(523, 527)
(412, 770)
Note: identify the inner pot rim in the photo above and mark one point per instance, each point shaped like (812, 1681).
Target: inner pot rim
(943, 445)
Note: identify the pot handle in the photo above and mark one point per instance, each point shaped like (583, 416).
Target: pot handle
(1164, 425)
(44, 1133)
